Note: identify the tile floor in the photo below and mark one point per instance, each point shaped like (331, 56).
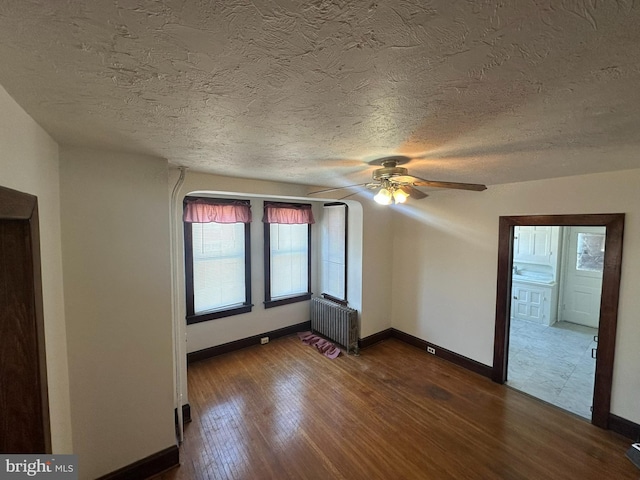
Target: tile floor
(553, 363)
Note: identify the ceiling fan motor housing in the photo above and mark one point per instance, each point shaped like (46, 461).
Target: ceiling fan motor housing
(389, 170)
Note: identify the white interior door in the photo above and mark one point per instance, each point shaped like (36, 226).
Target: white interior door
(583, 260)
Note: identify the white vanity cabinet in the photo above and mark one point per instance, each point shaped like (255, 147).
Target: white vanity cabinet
(537, 245)
(532, 302)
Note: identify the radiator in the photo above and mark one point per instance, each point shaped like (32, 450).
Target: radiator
(336, 322)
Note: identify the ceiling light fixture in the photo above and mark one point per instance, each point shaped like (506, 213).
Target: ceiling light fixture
(391, 193)
(400, 196)
(383, 197)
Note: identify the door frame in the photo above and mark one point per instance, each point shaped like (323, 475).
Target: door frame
(614, 224)
(23, 207)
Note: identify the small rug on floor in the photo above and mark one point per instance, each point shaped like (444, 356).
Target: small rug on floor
(325, 347)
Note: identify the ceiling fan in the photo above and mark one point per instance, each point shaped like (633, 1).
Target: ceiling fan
(396, 185)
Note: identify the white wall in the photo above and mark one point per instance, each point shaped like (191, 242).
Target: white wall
(445, 261)
(377, 258)
(115, 239)
(29, 163)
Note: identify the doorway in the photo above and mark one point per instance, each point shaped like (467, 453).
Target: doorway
(614, 224)
(555, 310)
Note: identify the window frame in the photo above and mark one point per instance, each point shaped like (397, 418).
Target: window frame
(341, 301)
(247, 306)
(268, 301)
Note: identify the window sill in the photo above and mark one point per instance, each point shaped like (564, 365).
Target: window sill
(286, 301)
(337, 300)
(203, 317)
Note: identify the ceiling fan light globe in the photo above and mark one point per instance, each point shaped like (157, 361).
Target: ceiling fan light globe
(399, 196)
(383, 197)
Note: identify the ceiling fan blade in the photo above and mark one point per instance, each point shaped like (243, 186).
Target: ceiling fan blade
(476, 187)
(413, 192)
(421, 182)
(337, 188)
(350, 195)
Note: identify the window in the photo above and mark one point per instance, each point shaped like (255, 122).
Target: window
(334, 252)
(217, 258)
(590, 252)
(287, 257)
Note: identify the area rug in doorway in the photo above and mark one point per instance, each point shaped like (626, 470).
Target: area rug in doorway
(325, 347)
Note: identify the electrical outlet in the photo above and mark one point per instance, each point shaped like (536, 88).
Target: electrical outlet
(431, 350)
(264, 340)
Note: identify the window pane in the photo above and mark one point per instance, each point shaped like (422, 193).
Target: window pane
(218, 266)
(590, 255)
(334, 250)
(289, 260)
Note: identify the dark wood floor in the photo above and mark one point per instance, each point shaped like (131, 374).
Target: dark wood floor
(283, 411)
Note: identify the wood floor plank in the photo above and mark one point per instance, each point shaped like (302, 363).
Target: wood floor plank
(284, 411)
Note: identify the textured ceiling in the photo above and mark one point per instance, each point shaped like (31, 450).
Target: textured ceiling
(312, 91)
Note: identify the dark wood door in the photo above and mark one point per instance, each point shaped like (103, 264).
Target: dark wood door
(24, 407)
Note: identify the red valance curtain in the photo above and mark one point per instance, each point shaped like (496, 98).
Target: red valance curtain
(288, 213)
(215, 211)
